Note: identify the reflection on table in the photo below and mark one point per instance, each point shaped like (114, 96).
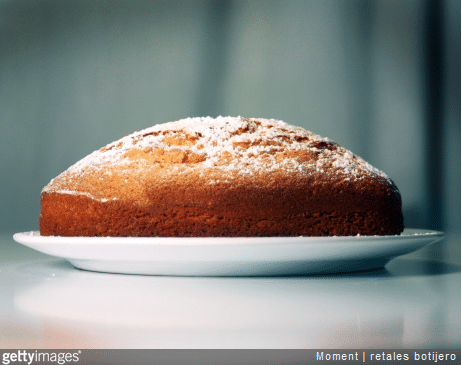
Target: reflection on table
(410, 303)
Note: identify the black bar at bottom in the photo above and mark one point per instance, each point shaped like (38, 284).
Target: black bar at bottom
(242, 357)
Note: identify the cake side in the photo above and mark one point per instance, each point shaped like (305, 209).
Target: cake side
(221, 177)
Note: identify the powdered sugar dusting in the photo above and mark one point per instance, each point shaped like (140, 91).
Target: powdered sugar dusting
(246, 145)
(88, 195)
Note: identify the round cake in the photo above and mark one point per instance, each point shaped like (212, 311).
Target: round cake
(221, 177)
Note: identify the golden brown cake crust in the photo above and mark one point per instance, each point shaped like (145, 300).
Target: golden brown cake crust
(221, 177)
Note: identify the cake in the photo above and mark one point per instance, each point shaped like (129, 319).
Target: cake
(221, 177)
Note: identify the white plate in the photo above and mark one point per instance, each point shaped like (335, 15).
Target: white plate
(242, 256)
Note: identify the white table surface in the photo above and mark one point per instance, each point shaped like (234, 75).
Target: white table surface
(46, 303)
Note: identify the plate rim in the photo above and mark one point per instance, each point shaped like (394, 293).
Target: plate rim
(32, 237)
(209, 256)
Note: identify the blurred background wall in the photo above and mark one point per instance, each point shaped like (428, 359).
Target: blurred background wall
(380, 77)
